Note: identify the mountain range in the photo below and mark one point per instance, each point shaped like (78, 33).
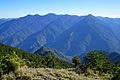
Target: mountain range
(68, 34)
(3, 20)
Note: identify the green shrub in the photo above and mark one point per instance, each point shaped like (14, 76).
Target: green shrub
(96, 60)
(116, 72)
(81, 69)
(11, 63)
(76, 61)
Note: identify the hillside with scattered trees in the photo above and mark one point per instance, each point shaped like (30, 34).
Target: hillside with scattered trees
(16, 64)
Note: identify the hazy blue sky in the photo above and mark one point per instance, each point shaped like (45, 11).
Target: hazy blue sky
(17, 8)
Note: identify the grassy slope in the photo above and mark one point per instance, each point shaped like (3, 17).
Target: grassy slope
(58, 74)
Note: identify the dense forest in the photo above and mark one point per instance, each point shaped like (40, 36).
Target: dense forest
(11, 59)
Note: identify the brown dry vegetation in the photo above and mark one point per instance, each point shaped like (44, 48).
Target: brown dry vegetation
(54, 74)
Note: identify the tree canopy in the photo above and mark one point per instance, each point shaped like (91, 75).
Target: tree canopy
(76, 61)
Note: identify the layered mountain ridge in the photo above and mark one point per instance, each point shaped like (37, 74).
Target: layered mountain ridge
(88, 34)
(69, 34)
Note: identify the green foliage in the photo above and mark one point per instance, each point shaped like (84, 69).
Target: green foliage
(34, 60)
(50, 61)
(116, 72)
(81, 69)
(95, 59)
(76, 61)
(10, 63)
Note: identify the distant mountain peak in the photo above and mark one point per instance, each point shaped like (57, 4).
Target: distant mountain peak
(89, 18)
(36, 15)
(50, 14)
(90, 15)
(28, 15)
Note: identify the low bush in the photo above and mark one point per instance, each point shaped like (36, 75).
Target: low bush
(10, 63)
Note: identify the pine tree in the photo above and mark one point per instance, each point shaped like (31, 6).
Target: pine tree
(76, 61)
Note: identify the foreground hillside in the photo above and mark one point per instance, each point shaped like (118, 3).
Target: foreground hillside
(16, 64)
(34, 60)
(26, 73)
